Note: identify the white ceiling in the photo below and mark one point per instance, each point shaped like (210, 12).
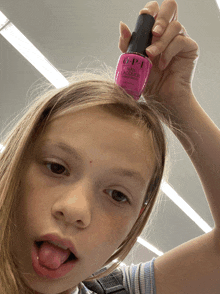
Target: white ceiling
(75, 34)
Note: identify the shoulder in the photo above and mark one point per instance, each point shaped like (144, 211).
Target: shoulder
(139, 278)
(134, 279)
(192, 267)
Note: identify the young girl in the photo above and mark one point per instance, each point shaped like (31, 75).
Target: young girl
(81, 172)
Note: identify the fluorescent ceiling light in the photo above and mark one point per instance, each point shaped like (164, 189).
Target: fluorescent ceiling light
(218, 3)
(3, 20)
(2, 148)
(171, 193)
(31, 53)
(149, 246)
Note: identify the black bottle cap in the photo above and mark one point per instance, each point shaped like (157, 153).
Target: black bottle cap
(142, 36)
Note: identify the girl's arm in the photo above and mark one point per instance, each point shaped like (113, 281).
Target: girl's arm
(192, 267)
(205, 137)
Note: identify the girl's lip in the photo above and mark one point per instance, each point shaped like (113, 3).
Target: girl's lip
(61, 241)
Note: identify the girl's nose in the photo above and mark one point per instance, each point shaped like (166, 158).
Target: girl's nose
(74, 207)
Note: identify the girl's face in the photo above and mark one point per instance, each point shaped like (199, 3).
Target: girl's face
(78, 199)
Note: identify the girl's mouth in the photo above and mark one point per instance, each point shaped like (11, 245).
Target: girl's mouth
(70, 258)
(50, 273)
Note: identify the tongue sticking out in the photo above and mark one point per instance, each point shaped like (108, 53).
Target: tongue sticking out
(52, 256)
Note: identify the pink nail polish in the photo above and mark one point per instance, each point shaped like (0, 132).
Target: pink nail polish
(134, 66)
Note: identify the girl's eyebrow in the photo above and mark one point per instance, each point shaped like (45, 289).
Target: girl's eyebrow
(123, 172)
(63, 146)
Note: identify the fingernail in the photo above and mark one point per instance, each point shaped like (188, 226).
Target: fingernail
(120, 27)
(158, 29)
(147, 11)
(144, 10)
(123, 32)
(153, 50)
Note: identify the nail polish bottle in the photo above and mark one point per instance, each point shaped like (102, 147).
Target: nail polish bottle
(134, 66)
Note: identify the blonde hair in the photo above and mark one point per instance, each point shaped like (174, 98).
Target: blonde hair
(84, 90)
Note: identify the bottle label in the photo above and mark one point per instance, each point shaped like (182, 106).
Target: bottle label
(132, 73)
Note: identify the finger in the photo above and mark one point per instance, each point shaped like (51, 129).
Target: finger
(168, 13)
(151, 8)
(173, 29)
(181, 46)
(125, 36)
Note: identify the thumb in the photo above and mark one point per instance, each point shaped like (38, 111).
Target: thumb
(125, 36)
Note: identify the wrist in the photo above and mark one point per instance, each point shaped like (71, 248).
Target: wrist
(178, 115)
(177, 110)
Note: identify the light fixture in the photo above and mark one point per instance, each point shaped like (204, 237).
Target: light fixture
(31, 53)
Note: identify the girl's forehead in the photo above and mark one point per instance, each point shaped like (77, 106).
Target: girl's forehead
(98, 120)
(101, 127)
(95, 126)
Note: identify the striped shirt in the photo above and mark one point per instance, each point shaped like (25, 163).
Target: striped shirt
(137, 279)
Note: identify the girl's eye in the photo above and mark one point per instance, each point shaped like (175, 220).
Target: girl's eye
(59, 169)
(118, 195)
(55, 167)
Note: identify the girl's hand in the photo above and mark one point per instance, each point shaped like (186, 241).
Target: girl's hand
(174, 49)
